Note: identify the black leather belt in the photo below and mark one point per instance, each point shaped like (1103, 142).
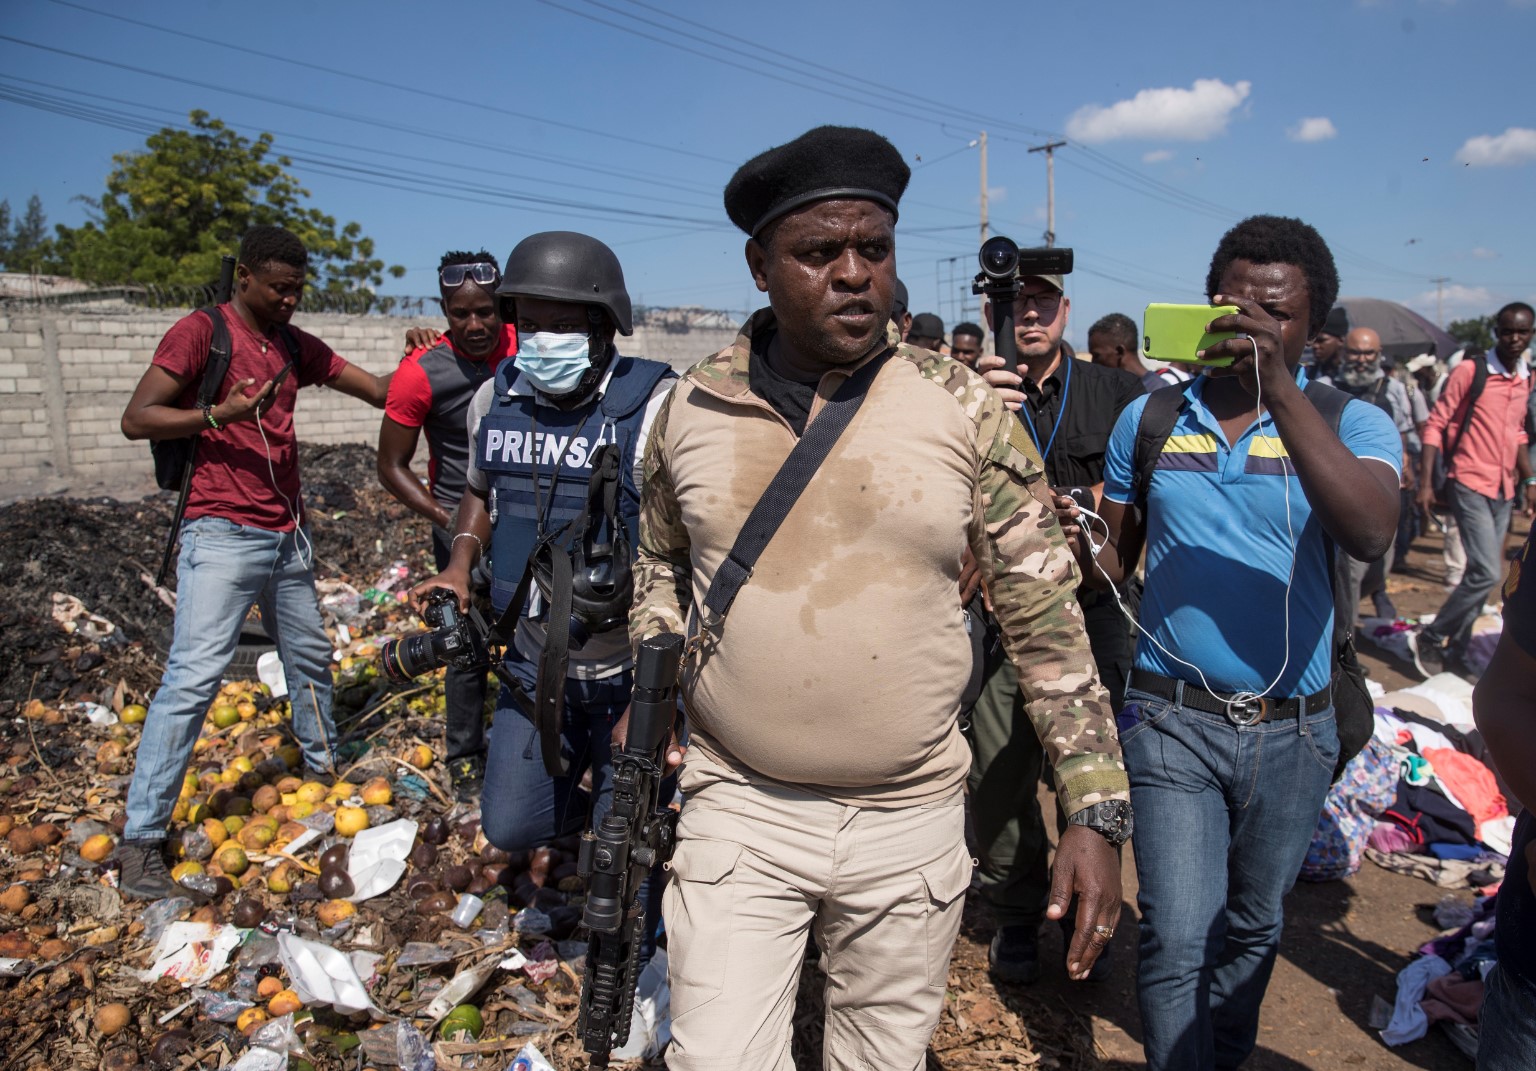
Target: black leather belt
(1248, 712)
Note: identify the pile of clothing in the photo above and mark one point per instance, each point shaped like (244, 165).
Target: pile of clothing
(1420, 799)
(1445, 984)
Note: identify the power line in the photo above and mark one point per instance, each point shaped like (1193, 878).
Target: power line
(394, 128)
(356, 171)
(457, 166)
(456, 100)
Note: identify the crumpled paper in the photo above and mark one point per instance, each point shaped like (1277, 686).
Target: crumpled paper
(322, 975)
(192, 952)
(377, 859)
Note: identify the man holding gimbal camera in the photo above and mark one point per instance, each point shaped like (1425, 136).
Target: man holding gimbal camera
(1068, 408)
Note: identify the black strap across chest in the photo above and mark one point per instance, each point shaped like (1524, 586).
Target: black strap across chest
(787, 485)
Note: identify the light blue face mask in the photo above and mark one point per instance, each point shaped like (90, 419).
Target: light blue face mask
(553, 362)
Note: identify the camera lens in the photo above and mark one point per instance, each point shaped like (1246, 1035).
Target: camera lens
(999, 257)
(410, 657)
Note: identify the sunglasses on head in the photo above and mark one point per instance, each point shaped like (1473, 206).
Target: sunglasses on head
(455, 274)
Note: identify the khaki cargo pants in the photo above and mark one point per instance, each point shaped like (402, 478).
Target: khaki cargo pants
(757, 867)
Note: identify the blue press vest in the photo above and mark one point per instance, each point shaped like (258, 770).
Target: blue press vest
(519, 439)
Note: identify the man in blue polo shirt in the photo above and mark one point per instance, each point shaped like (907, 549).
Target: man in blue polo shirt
(1228, 726)
(1505, 707)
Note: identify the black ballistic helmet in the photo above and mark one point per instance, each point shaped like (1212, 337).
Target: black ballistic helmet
(567, 266)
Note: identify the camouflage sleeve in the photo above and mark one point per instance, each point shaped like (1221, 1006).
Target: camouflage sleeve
(1033, 581)
(663, 570)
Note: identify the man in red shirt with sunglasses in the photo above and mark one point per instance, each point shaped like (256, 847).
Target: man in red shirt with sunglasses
(431, 392)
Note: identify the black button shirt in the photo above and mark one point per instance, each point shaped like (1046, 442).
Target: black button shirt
(1088, 408)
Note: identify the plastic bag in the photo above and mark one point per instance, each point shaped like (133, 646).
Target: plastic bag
(160, 914)
(529, 1058)
(413, 1051)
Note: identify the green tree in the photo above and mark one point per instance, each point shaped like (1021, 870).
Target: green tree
(23, 246)
(1478, 331)
(170, 211)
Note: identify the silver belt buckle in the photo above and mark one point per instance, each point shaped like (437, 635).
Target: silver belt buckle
(1247, 711)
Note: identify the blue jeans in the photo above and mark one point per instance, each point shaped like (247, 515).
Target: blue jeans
(1483, 522)
(523, 807)
(1506, 1034)
(1224, 814)
(223, 568)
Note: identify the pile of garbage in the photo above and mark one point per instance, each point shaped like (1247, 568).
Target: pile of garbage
(105, 553)
(320, 916)
(360, 921)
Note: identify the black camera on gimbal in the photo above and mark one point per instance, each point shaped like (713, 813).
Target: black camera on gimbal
(456, 639)
(1003, 265)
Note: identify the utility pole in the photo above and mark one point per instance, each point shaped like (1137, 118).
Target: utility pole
(1049, 148)
(983, 186)
(1440, 300)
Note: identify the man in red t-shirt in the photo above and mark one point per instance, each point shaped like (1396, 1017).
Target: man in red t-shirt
(431, 392)
(243, 540)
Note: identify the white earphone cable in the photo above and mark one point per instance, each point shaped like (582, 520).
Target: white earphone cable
(1241, 696)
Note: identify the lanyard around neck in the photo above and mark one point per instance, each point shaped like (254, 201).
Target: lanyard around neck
(1061, 409)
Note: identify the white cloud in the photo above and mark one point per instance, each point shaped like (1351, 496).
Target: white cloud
(1457, 302)
(1317, 128)
(1157, 156)
(1517, 145)
(1194, 114)
(1483, 253)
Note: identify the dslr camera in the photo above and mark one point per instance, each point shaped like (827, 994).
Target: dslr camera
(1003, 265)
(455, 639)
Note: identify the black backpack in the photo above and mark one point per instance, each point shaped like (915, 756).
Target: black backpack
(173, 456)
(1353, 708)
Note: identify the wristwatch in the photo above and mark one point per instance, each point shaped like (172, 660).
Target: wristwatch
(1111, 819)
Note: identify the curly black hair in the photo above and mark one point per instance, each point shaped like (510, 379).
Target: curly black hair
(1118, 328)
(458, 256)
(965, 327)
(1514, 308)
(265, 245)
(1281, 240)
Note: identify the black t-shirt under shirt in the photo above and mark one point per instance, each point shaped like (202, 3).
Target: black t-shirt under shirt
(1087, 408)
(791, 399)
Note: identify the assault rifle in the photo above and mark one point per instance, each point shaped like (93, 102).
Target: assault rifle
(635, 835)
(183, 452)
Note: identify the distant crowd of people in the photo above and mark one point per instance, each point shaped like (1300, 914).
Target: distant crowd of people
(911, 579)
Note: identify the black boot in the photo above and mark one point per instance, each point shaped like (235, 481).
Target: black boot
(1014, 954)
(143, 873)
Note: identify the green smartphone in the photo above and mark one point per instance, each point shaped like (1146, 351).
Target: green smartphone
(1177, 333)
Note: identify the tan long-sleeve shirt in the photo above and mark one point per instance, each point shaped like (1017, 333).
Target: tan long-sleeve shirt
(841, 664)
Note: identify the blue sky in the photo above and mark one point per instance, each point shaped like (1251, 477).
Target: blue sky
(1405, 130)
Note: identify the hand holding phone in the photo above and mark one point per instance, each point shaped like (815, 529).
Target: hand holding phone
(1178, 333)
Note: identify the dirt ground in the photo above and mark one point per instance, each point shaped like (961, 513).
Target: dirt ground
(1344, 941)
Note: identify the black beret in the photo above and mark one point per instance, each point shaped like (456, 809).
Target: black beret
(827, 162)
(1337, 323)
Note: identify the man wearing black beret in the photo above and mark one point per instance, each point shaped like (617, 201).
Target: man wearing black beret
(825, 770)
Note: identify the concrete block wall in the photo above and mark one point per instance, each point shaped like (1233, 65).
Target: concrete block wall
(66, 373)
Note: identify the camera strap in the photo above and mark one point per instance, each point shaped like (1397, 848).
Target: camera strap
(786, 487)
(546, 707)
